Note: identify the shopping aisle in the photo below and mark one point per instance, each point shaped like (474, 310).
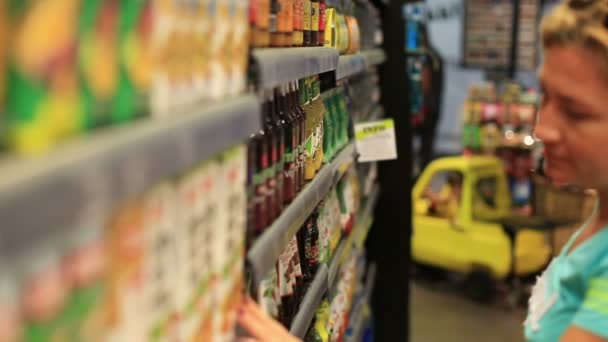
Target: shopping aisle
(439, 314)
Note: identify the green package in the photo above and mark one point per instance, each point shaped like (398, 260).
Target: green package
(42, 97)
(134, 60)
(97, 60)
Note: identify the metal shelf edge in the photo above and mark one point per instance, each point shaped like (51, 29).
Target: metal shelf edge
(281, 65)
(310, 304)
(80, 181)
(266, 250)
(349, 65)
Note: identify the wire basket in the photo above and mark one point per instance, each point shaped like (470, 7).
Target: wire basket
(561, 204)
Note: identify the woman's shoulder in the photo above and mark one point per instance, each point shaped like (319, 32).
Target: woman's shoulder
(591, 256)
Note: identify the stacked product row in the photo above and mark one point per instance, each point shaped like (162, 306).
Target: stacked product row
(167, 265)
(287, 23)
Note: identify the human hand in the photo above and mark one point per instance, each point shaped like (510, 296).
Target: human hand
(260, 326)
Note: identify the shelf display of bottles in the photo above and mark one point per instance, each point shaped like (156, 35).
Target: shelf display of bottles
(302, 130)
(283, 290)
(111, 62)
(296, 23)
(501, 124)
(158, 269)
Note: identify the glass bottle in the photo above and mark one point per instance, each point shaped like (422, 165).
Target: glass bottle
(273, 152)
(286, 121)
(298, 22)
(279, 160)
(273, 28)
(307, 22)
(321, 34)
(314, 22)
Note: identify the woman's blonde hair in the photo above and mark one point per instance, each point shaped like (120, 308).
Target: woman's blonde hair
(579, 22)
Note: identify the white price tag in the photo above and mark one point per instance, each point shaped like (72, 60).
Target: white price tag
(375, 140)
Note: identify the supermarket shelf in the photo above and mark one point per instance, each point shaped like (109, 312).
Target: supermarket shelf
(266, 250)
(80, 182)
(357, 315)
(310, 304)
(365, 222)
(280, 65)
(349, 65)
(336, 262)
(356, 238)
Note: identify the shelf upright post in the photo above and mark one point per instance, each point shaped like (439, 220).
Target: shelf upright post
(388, 244)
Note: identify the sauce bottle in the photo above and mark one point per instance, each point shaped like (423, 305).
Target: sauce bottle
(302, 133)
(252, 182)
(321, 34)
(280, 163)
(298, 23)
(290, 143)
(275, 35)
(319, 113)
(311, 245)
(262, 143)
(272, 155)
(307, 22)
(295, 116)
(311, 133)
(259, 19)
(275, 173)
(314, 23)
(287, 8)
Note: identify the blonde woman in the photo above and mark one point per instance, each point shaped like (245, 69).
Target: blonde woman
(570, 301)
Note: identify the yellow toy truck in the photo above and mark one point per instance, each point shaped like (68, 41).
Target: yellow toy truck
(463, 223)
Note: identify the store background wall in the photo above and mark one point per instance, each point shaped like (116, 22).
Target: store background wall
(446, 36)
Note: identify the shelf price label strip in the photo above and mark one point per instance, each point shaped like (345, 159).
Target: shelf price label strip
(281, 65)
(349, 65)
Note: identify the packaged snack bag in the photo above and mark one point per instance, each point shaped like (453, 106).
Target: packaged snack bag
(98, 59)
(43, 294)
(125, 238)
(135, 60)
(159, 215)
(84, 270)
(42, 99)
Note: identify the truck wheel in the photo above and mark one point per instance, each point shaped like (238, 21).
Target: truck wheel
(479, 286)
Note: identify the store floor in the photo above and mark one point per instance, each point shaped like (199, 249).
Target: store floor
(441, 314)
